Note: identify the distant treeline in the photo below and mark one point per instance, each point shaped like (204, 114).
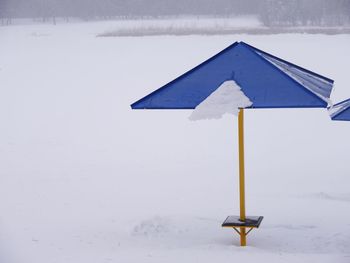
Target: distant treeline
(271, 12)
(305, 12)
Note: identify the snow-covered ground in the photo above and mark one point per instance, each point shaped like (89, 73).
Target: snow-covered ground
(84, 179)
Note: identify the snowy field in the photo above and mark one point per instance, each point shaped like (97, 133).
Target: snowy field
(84, 179)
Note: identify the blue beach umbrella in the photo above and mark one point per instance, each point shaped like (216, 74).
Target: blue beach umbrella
(341, 111)
(266, 80)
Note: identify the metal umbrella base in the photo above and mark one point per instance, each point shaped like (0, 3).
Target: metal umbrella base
(240, 226)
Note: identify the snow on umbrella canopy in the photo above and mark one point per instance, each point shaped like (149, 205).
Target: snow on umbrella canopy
(259, 79)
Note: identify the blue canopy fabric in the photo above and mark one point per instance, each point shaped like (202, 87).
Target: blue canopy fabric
(268, 81)
(341, 111)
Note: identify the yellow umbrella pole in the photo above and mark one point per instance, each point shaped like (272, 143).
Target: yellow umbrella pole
(242, 217)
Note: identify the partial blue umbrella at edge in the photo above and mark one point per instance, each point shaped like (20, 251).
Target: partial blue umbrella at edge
(341, 111)
(268, 82)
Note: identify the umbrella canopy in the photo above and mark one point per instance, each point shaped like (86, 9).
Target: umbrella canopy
(263, 81)
(268, 81)
(341, 111)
